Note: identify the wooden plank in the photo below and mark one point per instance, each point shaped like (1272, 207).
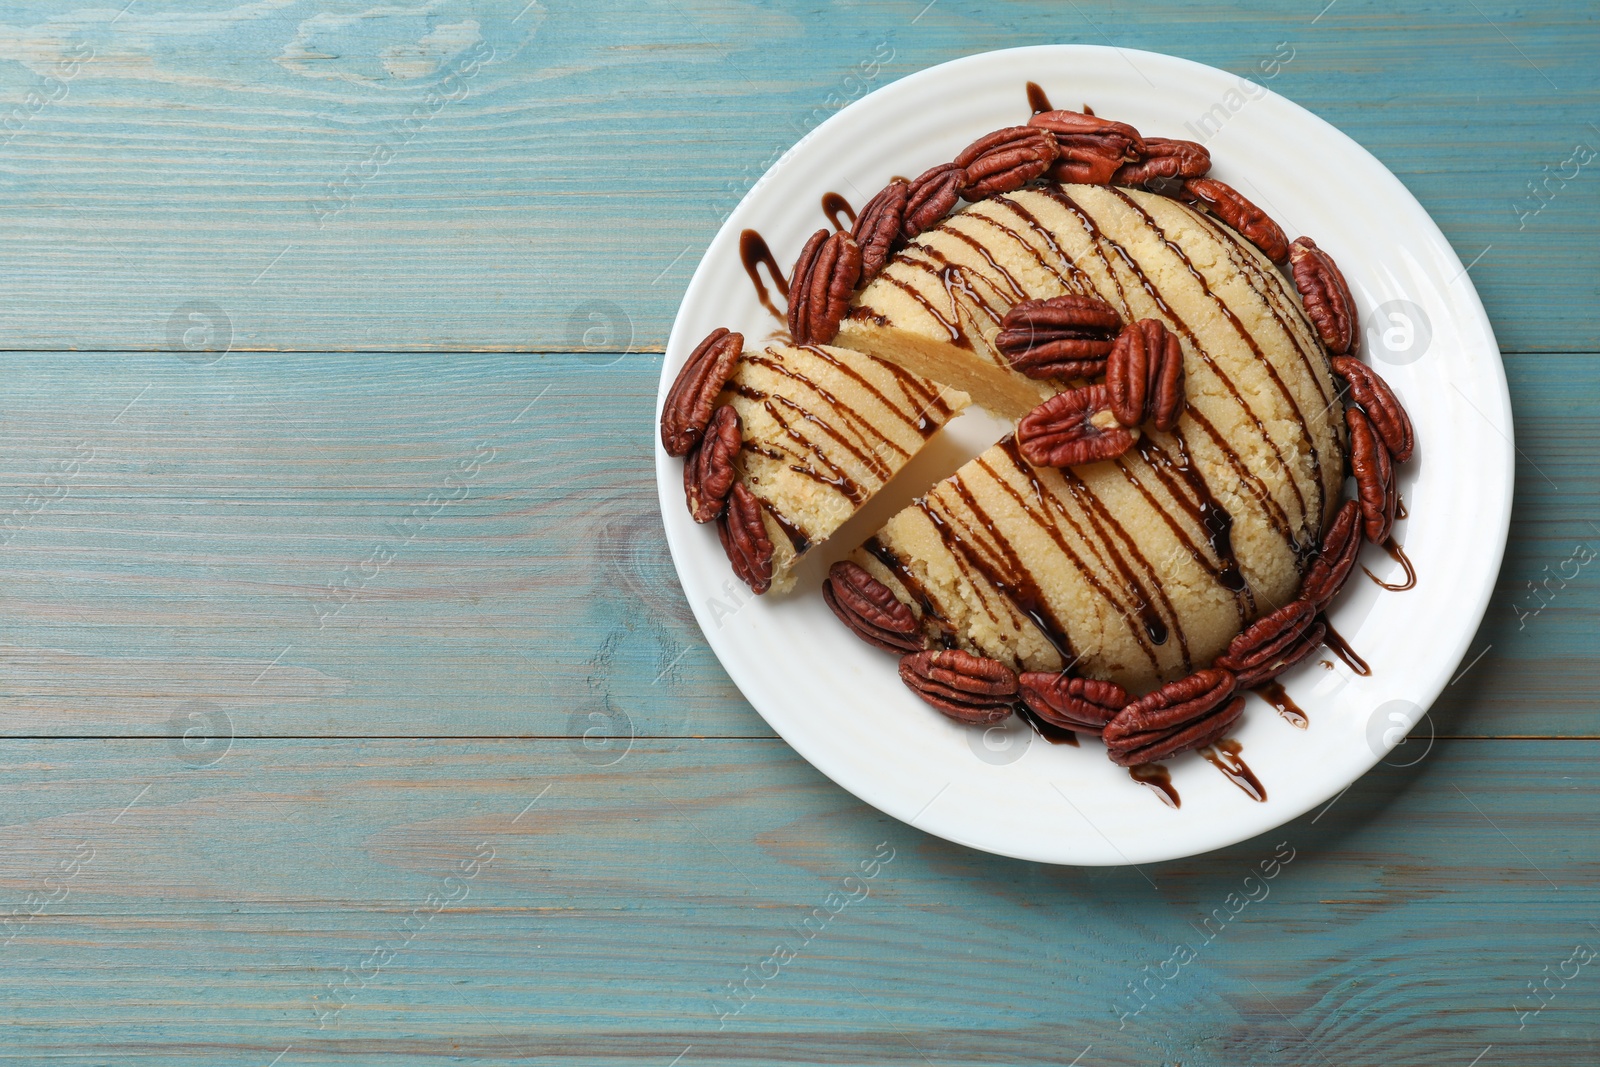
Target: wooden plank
(256, 536)
(277, 176)
(373, 545)
(205, 912)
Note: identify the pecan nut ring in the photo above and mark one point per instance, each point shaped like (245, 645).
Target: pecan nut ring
(1233, 208)
(824, 278)
(1189, 713)
(1273, 643)
(1374, 473)
(930, 197)
(1005, 160)
(708, 472)
(877, 228)
(1388, 417)
(1072, 428)
(1144, 375)
(968, 688)
(870, 609)
(1062, 337)
(1092, 149)
(1165, 159)
(1329, 571)
(694, 392)
(743, 531)
(1327, 298)
(1081, 704)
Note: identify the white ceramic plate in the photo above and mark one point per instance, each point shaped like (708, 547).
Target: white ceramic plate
(840, 702)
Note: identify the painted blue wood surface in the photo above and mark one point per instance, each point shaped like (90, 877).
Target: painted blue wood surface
(377, 678)
(285, 163)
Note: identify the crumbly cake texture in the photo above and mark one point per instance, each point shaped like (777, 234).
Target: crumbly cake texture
(1139, 569)
(824, 429)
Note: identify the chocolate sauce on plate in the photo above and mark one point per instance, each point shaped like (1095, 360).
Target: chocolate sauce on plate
(1224, 756)
(1397, 552)
(1274, 693)
(753, 252)
(1052, 733)
(834, 205)
(1154, 777)
(1341, 648)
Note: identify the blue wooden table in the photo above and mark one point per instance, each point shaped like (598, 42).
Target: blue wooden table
(353, 713)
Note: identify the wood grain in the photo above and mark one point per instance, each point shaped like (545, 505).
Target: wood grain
(605, 922)
(256, 535)
(327, 531)
(282, 165)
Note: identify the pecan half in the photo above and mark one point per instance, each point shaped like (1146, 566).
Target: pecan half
(1181, 715)
(694, 391)
(1388, 417)
(1073, 427)
(1273, 643)
(1164, 158)
(968, 688)
(1092, 149)
(1082, 704)
(1324, 292)
(708, 472)
(1231, 206)
(1144, 375)
(1374, 474)
(743, 532)
(1005, 160)
(870, 609)
(1062, 337)
(877, 228)
(819, 289)
(1328, 572)
(930, 197)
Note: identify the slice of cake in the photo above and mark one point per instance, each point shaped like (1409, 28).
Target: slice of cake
(822, 430)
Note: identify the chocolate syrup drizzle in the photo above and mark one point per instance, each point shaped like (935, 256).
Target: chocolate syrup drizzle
(1052, 733)
(1189, 491)
(1100, 517)
(1037, 101)
(951, 326)
(1224, 756)
(914, 588)
(997, 562)
(977, 246)
(1154, 777)
(797, 537)
(1079, 281)
(1274, 291)
(1274, 693)
(1047, 512)
(753, 252)
(1397, 552)
(834, 205)
(859, 427)
(1341, 648)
